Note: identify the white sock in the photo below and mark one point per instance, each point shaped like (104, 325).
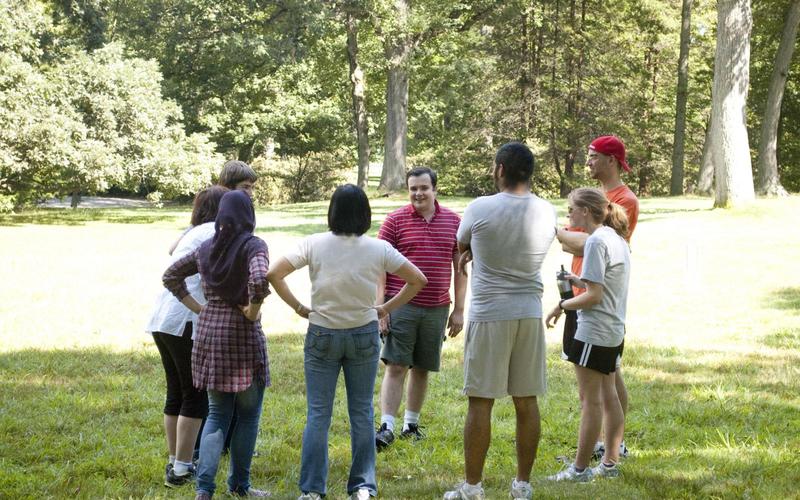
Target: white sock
(410, 417)
(181, 468)
(389, 421)
(519, 484)
(172, 459)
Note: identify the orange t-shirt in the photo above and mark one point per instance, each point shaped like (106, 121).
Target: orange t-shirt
(624, 197)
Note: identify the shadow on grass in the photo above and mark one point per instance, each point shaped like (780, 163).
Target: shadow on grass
(88, 423)
(81, 216)
(784, 299)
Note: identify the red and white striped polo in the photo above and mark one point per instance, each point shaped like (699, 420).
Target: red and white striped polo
(428, 245)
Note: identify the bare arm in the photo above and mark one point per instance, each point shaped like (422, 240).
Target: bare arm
(380, 298)
(572, 241)
(592, 297)
(276, 277)
(465, 256)
(415, 281)
(456, 321)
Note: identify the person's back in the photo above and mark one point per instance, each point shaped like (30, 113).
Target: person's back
(510, 237)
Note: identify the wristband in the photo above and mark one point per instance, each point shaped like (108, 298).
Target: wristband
(298, 308)
(561, 304)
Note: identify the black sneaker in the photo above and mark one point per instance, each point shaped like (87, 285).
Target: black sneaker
(174, 481)
(414, 432)
(167, 470)
(383, 437)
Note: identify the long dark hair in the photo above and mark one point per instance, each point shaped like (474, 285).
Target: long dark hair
(206, 204)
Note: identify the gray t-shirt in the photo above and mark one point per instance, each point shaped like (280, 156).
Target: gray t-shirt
(607, 261)
(509, 236)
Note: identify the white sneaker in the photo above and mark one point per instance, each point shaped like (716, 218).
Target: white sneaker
(361, 494)
(600, 450)
(310, 496)
(603, 471)
(521, 490)
(465, 492)
(570, 474)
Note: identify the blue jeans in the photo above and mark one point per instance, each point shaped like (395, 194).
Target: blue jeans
(327, 351)
(220, 410)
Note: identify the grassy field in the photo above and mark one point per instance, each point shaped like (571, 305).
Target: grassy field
(712, 362)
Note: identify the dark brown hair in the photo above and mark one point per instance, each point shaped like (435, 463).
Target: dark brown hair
(234, 172)
(206, 204)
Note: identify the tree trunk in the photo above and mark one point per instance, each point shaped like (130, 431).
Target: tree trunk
(733, 172)
(705, 176)
(398, 54)
(768, 181)
(676, 180)
(359, 101)
(75, 199)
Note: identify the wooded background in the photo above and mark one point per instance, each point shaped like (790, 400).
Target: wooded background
(149, 97)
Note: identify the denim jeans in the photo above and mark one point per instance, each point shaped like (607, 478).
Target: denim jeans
(220, 410)
(327, 351)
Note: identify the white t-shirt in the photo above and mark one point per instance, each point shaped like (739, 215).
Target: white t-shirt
(169, 315)
(344, 272)
(509, 236)
(606, 261)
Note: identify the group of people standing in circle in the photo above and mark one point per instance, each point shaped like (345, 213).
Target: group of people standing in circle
(388, 298)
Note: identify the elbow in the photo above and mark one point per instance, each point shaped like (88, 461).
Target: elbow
(421, 281)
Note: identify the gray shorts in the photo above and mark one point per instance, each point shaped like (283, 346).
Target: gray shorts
(505, 358)
(415, 337)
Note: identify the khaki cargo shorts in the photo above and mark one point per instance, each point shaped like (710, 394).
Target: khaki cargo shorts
(505, 358)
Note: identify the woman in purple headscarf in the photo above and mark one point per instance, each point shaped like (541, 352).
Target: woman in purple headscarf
(229, 357)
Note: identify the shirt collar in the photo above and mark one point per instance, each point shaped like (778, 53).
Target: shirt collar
(413, 212)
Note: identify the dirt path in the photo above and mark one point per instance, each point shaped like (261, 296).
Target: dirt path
(97, 202)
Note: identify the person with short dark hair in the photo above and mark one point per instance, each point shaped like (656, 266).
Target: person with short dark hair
(344, 265)
(173, 327)
(598, 343)
(425, 233)
(238, 175)
(229, 356)
(508, 236)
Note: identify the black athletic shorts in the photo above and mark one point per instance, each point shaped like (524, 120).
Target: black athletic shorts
(595, 357)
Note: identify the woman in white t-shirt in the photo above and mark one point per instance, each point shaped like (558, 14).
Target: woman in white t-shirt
(344, 266)
(173, 327)
(598, 341)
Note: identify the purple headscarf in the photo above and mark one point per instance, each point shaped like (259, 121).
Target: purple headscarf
(224, 259)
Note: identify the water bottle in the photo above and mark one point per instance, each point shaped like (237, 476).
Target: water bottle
(570, 317)
(564, 286)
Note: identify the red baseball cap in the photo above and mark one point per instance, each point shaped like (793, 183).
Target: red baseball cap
(611, 146)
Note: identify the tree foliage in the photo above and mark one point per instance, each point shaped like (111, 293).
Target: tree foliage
(150, 95)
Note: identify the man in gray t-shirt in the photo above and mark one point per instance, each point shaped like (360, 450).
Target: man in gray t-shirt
(508, 236)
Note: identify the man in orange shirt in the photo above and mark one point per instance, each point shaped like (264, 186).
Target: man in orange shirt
(606, 158)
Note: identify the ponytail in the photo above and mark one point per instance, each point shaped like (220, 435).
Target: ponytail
(617, 219)
(601, 210)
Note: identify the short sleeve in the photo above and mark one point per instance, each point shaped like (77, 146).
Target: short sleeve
(393, 260)
(464, 233)
(388, 231)
(299, 257)
(595, 260)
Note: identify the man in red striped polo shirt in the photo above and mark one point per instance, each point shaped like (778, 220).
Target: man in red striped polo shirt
(425, 233)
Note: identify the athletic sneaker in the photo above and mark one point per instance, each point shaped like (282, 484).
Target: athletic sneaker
(604, 471)
(465, 492)
(251, 492)
(383, 437)
(310, 496)
(571, 474)
(413, 431)
(521, 490)
(600, 450)
(361, 494)
(175, 481)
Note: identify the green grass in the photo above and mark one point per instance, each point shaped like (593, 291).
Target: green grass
(712, 362)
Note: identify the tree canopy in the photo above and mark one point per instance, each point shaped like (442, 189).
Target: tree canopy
(149, 96)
